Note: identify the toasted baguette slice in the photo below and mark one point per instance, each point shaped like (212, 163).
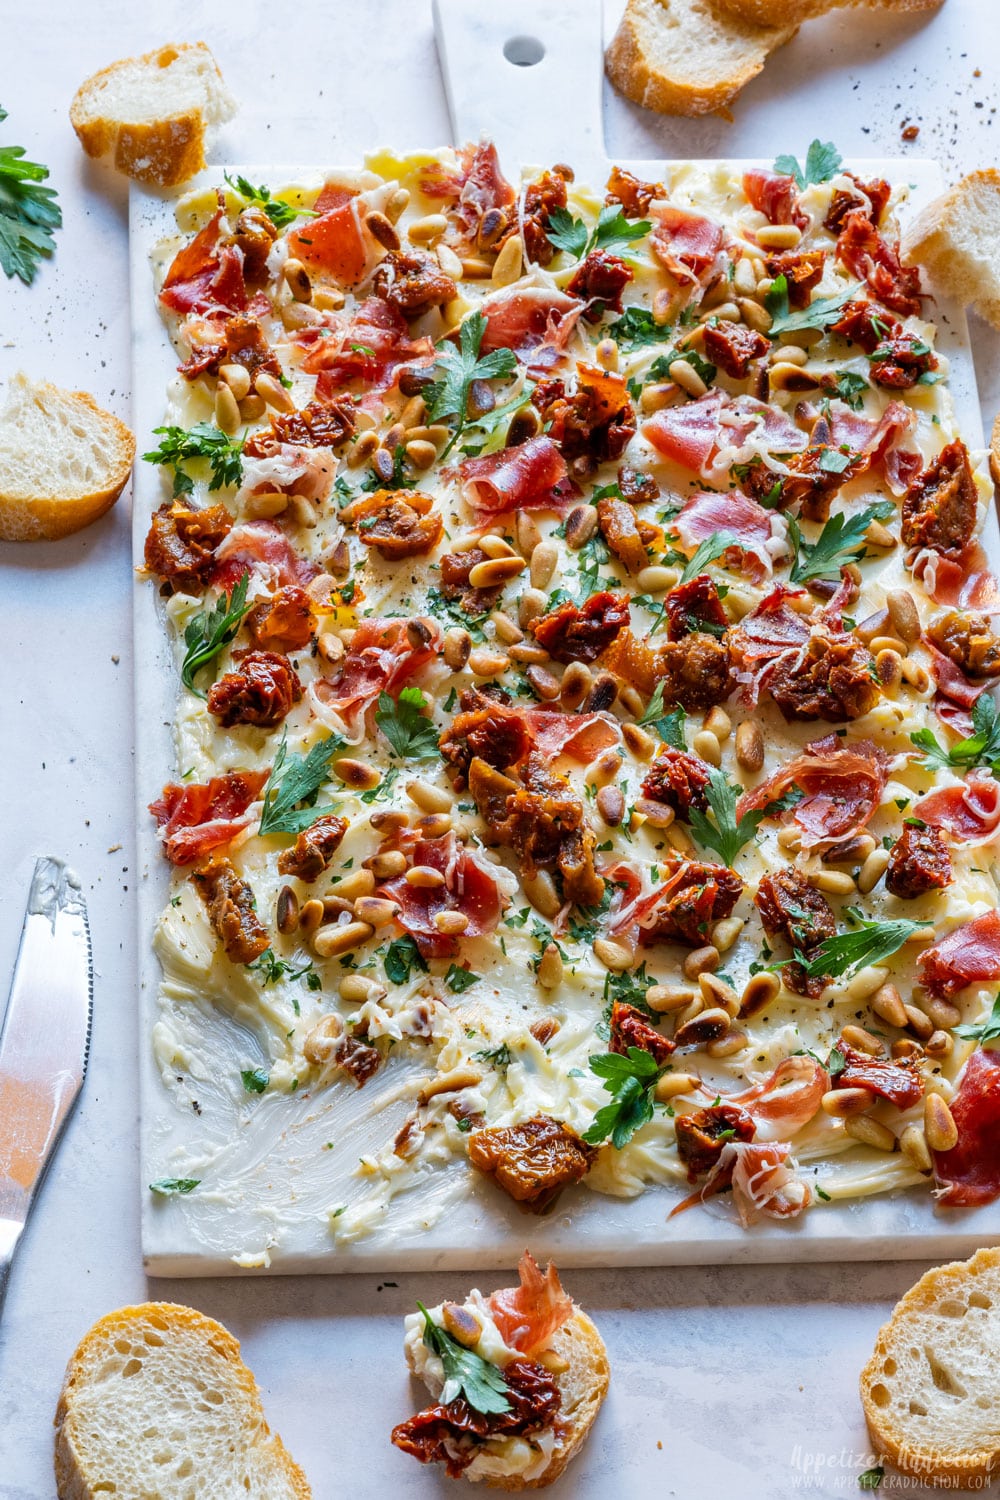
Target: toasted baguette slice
(930, 1390)
(687, 57)
(957, 239)
(63, 461)
(151, 115)
(157, 1403)
(583, 1387)
(777, 12)
(995, 451)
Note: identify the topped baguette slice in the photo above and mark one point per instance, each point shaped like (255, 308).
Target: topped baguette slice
(151, 115)
(930, 1389)
(957, 239)
(158, 1403)
(63, 461)
(688, 57)
(778, 12)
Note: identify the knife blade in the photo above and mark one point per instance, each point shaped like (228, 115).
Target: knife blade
(44, 1043)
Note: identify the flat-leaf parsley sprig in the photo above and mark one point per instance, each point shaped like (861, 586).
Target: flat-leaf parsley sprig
(204, 440)
(726, 834)
(280, 213)
(466, 1373)
(29, 213)
(611, 232)
(630, 1080)
(293, 785)
(210, 631)
(456, 369)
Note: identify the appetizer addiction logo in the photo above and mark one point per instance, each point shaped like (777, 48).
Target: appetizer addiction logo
(847, 1471)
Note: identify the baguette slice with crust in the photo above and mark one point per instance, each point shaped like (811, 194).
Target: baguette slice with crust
(778, 12)
(957, 239)
(931, 1390)
(158, 1403)
(63, 461)
(151, 115)
(688, 57)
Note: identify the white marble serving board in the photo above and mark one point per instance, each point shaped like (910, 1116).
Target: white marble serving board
(537, 113)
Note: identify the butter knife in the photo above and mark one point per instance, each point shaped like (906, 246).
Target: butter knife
(43, 1044)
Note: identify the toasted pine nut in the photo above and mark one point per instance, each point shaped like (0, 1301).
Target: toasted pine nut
(237, 377)
(387, 864)
(550, 967)
(375, 910)
(790, 838)
(366, 445)
(274, 393)
(841, 1103)
(744, 276)
(456, 647)
(727, 1046)
(328, 299)
(581, 523)
(421, 453)
(749, 745)
(942, 1012)
(939, 1044)
(922, 1026)
(462, 1323)
(527, 533)
(311, 916)
(576, 684)
(788, 354)
(788, 377)
(508, 264)
(913, 1145)
(664, 998)
(355, 883)
(662, 307)
(227, 411)
(531, 603)
(252, 408)
(428, 229)
(701, 961)
(287, 910)
(671, 1085)
(889, 668)
(397, 203)
(449, 262)
(382, 229)
(708, 1026)
(528, 652)
(543, 564)
(686, 376)
(388, 820)
(357, 988)
(725, 933)
(297, 280)
(611, 805)
(833, 882)
(887, 643)
(495, 546)
(656, 579)
(641, 744)
(754, 316)
(483, 663)
(865, 982)
(541, 891)
(870, 1132)
(655, 397)
(939, 1124)
(315, 1047)
(657, 814)
(507, 629)
(717, 993)
(495, 571)
(631, 699)
(524, 425)
(778, 236)
(916, 674)
(424, 877)
(265, 505)
(356, 773)
(450, 1083)
(543, 684)
(862, 1040)
(707, 746)
(904, 1048)
(718, 722)
(904, 615)
(452, 923)
(330, 942)
(887, 1003)
(878, 535)
(613, 955)
(606, 354)
(759, 991)
(872, 870)
(693, 1008)
(430, 798)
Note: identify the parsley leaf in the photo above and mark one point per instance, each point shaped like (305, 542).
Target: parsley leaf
(451, 609)
(166, 1187)
(465, 1373)
(820, 311)
(669, 726)
(499, 1056)
(447, 397)
(637, 327)
(870, 943)
(851, 388)
(458, 979)
(708, 551)
(726, 836)
(986, 1031)
(484, 433)
(981, 748)
(402, 721)
(401, 956)
(841, 541)
(28, 213)
(823, 161)
(611, 232)
(567, 233)
(871, 1478)
(630, 1081)
(280, 213)
(203, 440)
(211, 630)
(295, 780)
(255, 1080)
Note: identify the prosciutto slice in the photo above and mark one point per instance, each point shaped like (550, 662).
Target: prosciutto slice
(535, 321)
(787, 1099)
(334, 242)
(382, 658)
(842, 786)
(260, 547)
(772, 628)
(470, 887)
(206, 276)
(687, 435)
(774, 195)
(685, 244)
(293, 469)
(583, 736)
(966, 583)
(970, 954)
(532, 476)
(970, 812)
(195, 819)
(758, 532)
(528, 1315)
(969, 1174)
(369, 347)
(709, 435)
(763, 1182)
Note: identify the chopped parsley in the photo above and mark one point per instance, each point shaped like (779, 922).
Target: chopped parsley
(401, 957)
(167, 1187)
(255, 1080)
(458, 979)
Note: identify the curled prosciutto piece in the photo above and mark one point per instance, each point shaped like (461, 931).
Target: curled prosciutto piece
(531, 476)
(195, 819)
(969, 1174)
(529, 1314)
(842, 786)
(383, 656)
(969, 954)
(469, 887)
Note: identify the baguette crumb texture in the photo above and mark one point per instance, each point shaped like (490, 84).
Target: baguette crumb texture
(931, 1390)
(158, 1405)
(957, 239)
(688, 57)
(995, 451)
(63, 461)
(151, 116)
(778, 12)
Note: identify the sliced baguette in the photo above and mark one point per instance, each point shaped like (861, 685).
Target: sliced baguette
(63, 461)
(583, 1387)
(778, 12)
(687, 57)
(957, 239)
(158, 1405)
(995, 451)
(151, 115)
(931, 1390)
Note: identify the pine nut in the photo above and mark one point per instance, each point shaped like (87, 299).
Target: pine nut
(550, 967)
(265, 505)
(865, 982)
(709, 1026)
(462, 1323)
(613, 955)
(904, 615)
(862, 1040)
(495, 546)
(707, 746)
(887, 643)
(611, 805)
(922, 1026)
(905, 1048)
(507, 630)
(754, 316)
(604, 768)
(942, 1012)
(428, 229)
(744, 277)
(387, 864)
(656, 579)
(749, 745)
(287, 910)
(527, 533)
(788, 354)
(237, 377)
(631, 699)
(728, 1045)
(356, 883)
(889, 668)
(357, 988)
(872, 870)
(916, 675)
(788, 377)
(693, 1008)
(686, 376)
(429, 798)
(870, 1133)
(274, 392)
(726, 312)
(330, 942)
(449, 262)
(495, 571)
(388, 821)
(328, 299)
(641, 744)
(421, 453)
(434, 825)
(939, 1124)
(424, 877)
(484, 663)
(375, 910)
(656, 397)
(939, 1044)
(542, 683)
(887, 1003)
(456, 647)
(718, 722)
(382, 229)
(252, 408)
(227, 411)
(842, 1103)
(311, 916)
(541, 891)
(451, 923)
(760, 991)
(329, 647)
(878, 535)
(725, 933)
(508, 264)
(297, 280)
(664, 998)
(528, 653)
(833, 882)
(357, 774)
(716, 993)
(581, 523)
(397, 203)
(656, 814)
(913, 1145)
(852, 851)
(606, 354)
(576, 684)
(662, 308)
(531, 604)
(672, 1085)
(701, 961)
(450, 1083)
(778, 236)
(543, 564)
(790, 838)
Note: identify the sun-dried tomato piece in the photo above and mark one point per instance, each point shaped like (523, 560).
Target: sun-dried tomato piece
(636, 488)
(918, 862)
(696, 672)
(632, 193)
(261, 690)
(846, 201)
(231, 911)
(500, 738)
(254, 234)
(696, 895)
(702, 1134)
(413, 282)
(791, 909)
(940, 506)
(447, 1434)
(866, 253)
(532, 1161)
(866, 324)
(802, 271)
(600, 280)
(321, 424)
(678, 780)
(896, 1082)
(833, 677)
(694, 606)
(313, 849)
(969, 640)
(580, 632)
(629, 1028)
(733, 347)
(455, 585)
(181, 543)
(597, 422)
(899, 362)
(626, 534)
(541, 199)
(397, 523)
(285, 622)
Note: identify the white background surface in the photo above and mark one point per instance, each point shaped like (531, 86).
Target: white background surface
(726, 1382)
